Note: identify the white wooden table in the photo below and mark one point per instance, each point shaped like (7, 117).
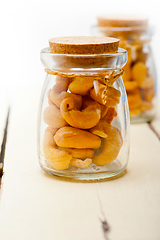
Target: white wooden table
(37, 206)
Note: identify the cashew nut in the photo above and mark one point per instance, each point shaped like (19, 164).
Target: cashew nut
(85, 119)
(111, 146)
(81, 85)
(130, 85)
(105, 94)
(134, 99)
(70, 137)
(52, 116)
(59, 159)
(138, 72)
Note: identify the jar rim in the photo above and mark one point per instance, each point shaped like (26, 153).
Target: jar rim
(90, 63)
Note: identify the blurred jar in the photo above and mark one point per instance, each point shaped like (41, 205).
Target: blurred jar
(139, 73)
(83, 122)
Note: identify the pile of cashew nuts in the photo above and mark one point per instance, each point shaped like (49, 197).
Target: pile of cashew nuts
(79, 115)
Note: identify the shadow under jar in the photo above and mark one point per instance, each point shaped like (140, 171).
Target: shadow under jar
(83, 121)
(139, 73)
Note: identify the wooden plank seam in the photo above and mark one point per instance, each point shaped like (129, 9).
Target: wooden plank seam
(154, 130)
(105, 225)
(3, 145)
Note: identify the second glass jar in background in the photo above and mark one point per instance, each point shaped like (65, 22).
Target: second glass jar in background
(139, 73)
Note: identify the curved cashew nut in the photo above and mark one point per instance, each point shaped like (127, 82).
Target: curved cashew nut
(105, 94)
(85, 119)
(59, 92)
(81, 85)
(80, 163)
(59, 159)
(111, 147)
(70, 137)
(52, 116)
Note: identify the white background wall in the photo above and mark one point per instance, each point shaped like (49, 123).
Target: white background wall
(26, 26)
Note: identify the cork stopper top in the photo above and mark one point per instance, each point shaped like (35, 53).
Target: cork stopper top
(122, 21)
(83, 45)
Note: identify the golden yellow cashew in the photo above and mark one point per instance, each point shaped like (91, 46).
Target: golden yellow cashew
(127, 73)
(130, 85)
(138, 73)
(85, 119)
(70, 137)
(59, 159)
(105, 94)
(81, 85)
(111, 146)
(134, 99)
(52, 116)
(135, 111)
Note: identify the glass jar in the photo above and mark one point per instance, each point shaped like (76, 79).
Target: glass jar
(139, 73)
(83, 121)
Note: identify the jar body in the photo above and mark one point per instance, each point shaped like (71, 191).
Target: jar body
(83, 125)
(139, 72)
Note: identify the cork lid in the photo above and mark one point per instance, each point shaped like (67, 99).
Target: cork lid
(122, 20)
(83, 45)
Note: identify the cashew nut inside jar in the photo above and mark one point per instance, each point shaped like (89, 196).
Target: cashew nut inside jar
(83, 120)
(139, 76)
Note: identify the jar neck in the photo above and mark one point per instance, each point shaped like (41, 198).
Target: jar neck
(83, 64)
(108, 77)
